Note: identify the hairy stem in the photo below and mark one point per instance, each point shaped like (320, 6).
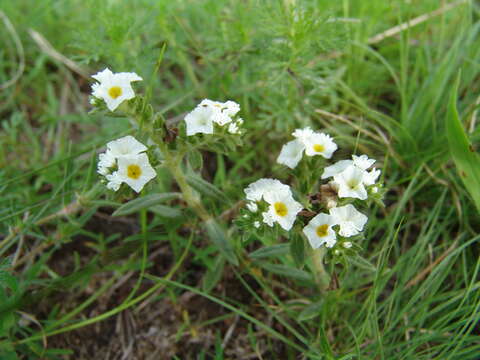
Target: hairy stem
(321, 275)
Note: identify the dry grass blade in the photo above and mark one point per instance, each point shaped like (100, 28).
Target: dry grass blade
(48, 49)
(20, 51)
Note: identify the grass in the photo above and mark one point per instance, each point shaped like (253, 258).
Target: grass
(77, 282)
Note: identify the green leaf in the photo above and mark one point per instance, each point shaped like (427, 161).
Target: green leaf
(205, 188)
(144, 202)
(297, 250)
(166, 211)
(195, 159)
(287, 271)
(276, 250)
(311, 311)
(213, 275)
(465, 158)
(217, 235)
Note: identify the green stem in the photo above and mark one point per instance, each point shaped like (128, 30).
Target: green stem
(321, 275)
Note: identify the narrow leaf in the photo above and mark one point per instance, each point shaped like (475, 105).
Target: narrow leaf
(144, 202)
(166, 211)
(206, 188)
(311, 311)
(297, 250)
(276, 250)
(217, 236)
(463, 154)
(287, 271)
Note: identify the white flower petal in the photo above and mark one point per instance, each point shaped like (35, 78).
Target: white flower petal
(336, 168)
(363, 162)
(320, 144)
(114, 88)
(252, 206)
(126, 145)
(350, 220)
(291, 153)
(370, 177)
(319, 231)
(257, 189)
(114, 181)
(350, 183)
(200, 120)
(135, 170)
(283, 208)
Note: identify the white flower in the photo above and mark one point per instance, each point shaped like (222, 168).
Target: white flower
(350, 220)
(256, 190)
(135, 170)
(200, 120)
(350, 183)
(252, 206)
(291, 153)
(336, 168)
(233, 128)
(268, 218)
(256, 224)
(319, 231)
(114, 181)
(126, 145)
(303, 134)
(106, 161)
(319, 144)
(362, 161)
(370, 177)
(114, 88)
(283, 208)
(307, 140)
(222, 113)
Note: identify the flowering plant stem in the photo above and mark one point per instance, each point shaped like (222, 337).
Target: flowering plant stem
(172, 161)
(321, 276)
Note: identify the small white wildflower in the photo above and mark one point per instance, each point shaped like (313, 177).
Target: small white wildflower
(126, 145)
(268, 218)
(135, 170)
(233, 128)
(319, 231)
(336, 168)
(362, 161)
(350, 183)
(370, 177)
(291, 153)
(222, 113)
(303, 134)
(114, 181)
(347, 245)
(256, 224)
(319, 144)
(114, 88)
(257, 189)
(350, 220)
(307, 140)
(283, 208)
(106, 161)
(199, 120)
(252, 206)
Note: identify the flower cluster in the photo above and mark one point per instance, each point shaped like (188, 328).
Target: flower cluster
(334, 215)
(125, 161)
(308, 141)
(208, 112)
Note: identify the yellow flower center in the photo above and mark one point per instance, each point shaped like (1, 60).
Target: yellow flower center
(322, 230)
(134, 171)
(318, 148)
(115, 92)
(352, 184)
(280, 209)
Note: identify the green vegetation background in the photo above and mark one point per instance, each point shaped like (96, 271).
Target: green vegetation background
(73, 279)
